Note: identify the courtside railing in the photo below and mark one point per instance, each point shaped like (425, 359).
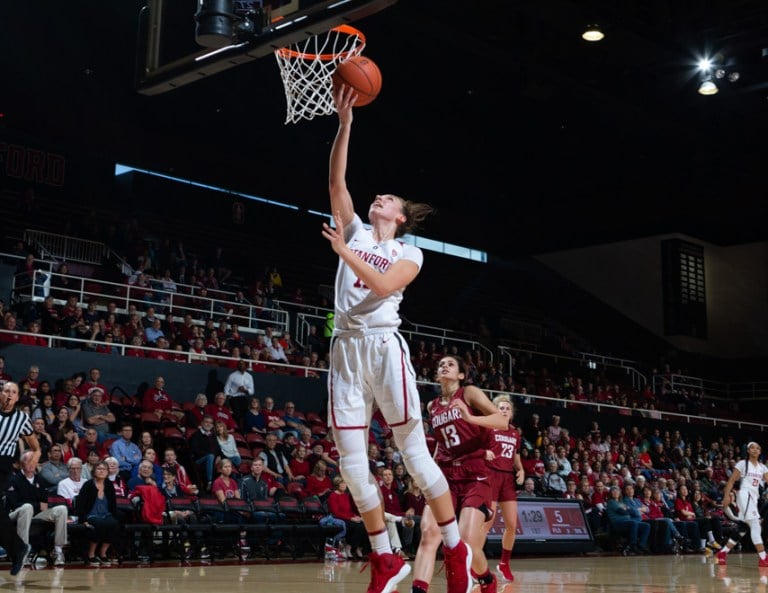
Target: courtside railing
(597, 408)
(169, 305)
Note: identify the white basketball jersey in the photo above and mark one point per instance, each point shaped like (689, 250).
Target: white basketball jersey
(358, 307)
(752, 477)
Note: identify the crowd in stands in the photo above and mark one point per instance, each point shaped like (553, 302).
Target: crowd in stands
(192, 447)
(661, 489)
(203, 334)
(242, 446)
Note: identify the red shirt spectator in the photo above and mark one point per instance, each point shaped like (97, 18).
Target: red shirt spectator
(318, 483)
(273, 419)
(389, 494)
(29, 340)
(340, 504)
(534, 465)
(62, 396)
(135, 352)
(218, 410)
(329, 447)
(156, 399)
(414, 500)
(600, 495)
(299, 463)
(90, 442)
(93, 382)
(186, 329)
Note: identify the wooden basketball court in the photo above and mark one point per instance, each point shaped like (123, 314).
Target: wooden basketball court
(573, 574)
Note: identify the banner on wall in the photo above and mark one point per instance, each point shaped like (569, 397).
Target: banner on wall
(31, 164)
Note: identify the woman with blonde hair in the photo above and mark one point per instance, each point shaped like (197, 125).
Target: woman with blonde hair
(225, 487)
(506, 473)
(227, 443)
(318, 483)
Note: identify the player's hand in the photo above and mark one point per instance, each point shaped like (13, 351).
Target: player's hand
(335, 236)
(462, 407)
(489, 455)
(730, 512)
(344, 97)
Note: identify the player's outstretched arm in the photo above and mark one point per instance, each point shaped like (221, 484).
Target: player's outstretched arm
(341, 200)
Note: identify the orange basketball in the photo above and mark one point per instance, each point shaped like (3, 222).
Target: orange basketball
(363, 75)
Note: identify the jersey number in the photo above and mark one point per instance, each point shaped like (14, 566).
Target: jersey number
(359, 283)
(507, 451)
(450, 435)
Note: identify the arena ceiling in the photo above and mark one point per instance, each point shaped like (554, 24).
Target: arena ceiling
(525, 137)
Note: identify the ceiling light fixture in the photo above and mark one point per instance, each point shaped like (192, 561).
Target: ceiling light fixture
(707, 86)
(714, 69)
(593, 33)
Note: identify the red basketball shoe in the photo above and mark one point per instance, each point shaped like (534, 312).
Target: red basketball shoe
(489, 587)
(721, 557)
(458, 564)
(763, 562)
(387, 570)
(505, 571)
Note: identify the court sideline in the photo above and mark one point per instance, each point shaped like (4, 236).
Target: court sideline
(573, 574)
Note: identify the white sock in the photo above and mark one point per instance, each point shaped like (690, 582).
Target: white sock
(380, 543)
(450, 534)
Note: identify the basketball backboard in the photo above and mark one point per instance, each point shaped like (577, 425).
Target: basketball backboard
(170, 42)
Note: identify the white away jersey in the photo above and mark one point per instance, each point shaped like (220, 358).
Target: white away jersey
(748, 498)
(358, 307)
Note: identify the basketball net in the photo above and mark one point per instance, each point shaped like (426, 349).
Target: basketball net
(306, 68)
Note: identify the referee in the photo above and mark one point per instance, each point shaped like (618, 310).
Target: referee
(14, 424)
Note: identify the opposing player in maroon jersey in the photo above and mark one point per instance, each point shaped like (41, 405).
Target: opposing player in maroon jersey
(503, 458)
(460, 417)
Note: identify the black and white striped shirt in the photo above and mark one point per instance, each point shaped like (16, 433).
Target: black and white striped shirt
(12, 426)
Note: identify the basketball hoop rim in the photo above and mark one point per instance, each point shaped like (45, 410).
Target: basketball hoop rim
(290, 53)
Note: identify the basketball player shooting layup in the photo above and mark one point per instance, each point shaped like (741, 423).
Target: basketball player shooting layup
(370, 361)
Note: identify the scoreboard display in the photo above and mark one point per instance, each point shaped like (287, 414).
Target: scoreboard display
(546, 521)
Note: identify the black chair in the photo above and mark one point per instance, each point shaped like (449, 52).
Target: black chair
(314, 508)
(291, 509)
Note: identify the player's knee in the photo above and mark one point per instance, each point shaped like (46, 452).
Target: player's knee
(431, 537)
(427, 475)
(357, 475)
